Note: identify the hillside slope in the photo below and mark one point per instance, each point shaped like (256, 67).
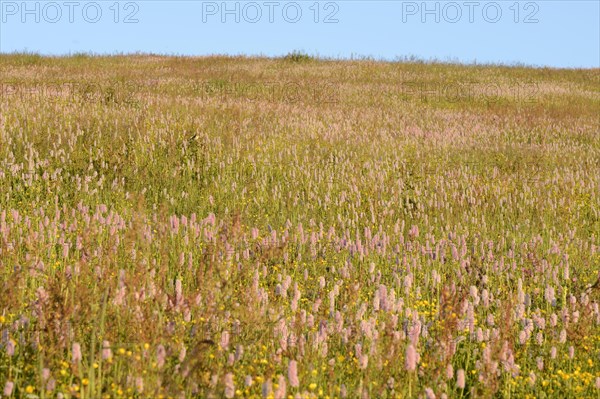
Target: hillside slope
(238, 227)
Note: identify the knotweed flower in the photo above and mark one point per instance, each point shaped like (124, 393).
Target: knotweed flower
(504, 352)
(45, 373)
(429, 393)
(487, 356)
(76, 353)
(412, 357)
(281, 388)
(178, 292)
(471, 318)
(414, 231)
(139, 384)
(51, 385)
(474, 294)
(267, 388)
(549, 294)
(563, 336)
(322, 282)
(376, 301)
(540, 322)
(295, 299)
(293, 374)
(532, 378)
(364, 361)
(225, 340)
(358, 351)
(229, 386)
(161, 356)
(415, 332)
(539, 338)
(522, 337)
(10, 348)
(449, 372)
(8, 388)
(485, 297)
(106, 352)
(460, 379)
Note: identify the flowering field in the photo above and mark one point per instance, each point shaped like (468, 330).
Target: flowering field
(293, 228)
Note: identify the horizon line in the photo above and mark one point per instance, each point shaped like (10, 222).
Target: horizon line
(304, 56)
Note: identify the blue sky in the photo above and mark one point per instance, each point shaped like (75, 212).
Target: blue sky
(541, 33)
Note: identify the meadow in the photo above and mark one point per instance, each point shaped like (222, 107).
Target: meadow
(297, 228)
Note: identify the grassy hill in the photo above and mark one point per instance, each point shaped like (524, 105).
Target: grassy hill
(254, 227)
